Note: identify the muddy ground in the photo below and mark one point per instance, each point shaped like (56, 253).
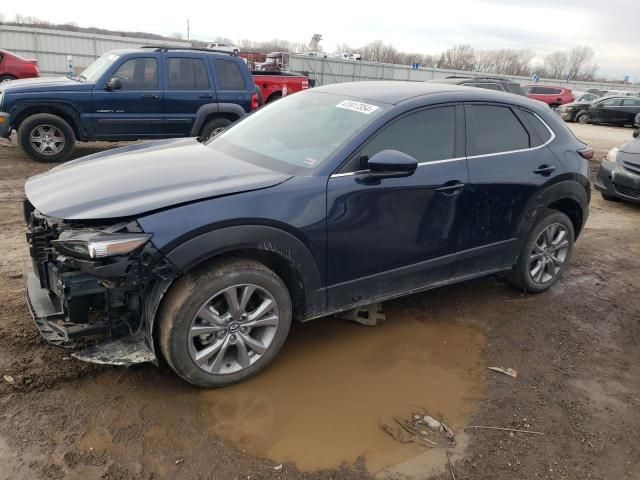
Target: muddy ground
(315, 413)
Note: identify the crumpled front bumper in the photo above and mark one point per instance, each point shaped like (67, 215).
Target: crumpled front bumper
(615, 181)
(49, 319)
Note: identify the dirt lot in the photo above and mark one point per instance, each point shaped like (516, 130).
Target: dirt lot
(315, 413)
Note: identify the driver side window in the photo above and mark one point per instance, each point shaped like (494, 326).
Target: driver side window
(427, 136)
(138, 74)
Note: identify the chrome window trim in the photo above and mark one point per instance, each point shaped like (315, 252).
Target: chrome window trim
(470, 157)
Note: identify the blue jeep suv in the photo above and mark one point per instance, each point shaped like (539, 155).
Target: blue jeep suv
(327, 200)
(154, 92)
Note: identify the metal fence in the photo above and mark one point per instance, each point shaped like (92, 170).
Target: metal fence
(333, 70)
(51, 47)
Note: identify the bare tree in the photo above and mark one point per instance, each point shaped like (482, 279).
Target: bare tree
(460, 57)
(379, 51)
(556, 64)
(578, 57)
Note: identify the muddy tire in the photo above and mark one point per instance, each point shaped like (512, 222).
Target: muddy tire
(46, 138)
(582, 118)
(224, 323)
(545, 254)
(213, 127)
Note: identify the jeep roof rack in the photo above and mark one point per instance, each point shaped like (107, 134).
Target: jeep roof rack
(166, 48)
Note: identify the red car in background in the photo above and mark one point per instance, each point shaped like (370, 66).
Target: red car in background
(552, 96)
(12, 66)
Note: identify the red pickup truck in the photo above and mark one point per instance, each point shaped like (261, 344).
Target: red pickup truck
(275, 85)
(12, 66)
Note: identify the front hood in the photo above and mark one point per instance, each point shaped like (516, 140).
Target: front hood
(140, 178)
(632, 147)
(43, 84)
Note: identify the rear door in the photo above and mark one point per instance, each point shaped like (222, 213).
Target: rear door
(231, 83)
(629, 108)
(135, 110)
(188, 87)
(508, 164)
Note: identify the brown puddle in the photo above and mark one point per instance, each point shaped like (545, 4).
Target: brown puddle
(319, 405)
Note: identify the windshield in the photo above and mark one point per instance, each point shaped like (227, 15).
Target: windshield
(301, 130)
(94, 71)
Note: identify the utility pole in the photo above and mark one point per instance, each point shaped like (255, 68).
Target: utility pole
(188, 30)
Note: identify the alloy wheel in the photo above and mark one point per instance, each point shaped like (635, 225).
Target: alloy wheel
(47, 139)
(233, 329)
(549, 253)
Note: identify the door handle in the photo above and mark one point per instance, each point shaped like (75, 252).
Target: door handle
(206, 96)
(151, 96)
(451, 188)
(544, 170)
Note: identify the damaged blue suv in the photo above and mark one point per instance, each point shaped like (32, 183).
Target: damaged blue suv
(325, 201)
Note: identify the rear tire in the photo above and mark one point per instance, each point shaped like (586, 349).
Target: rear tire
(6, 78)
(213, 127)
(545, 254)
(274, 97)
(46, 138)
(236, 343)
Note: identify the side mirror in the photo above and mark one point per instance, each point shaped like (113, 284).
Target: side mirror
(391, 163)
(114, 84)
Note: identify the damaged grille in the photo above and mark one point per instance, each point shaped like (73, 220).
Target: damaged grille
(39, 236)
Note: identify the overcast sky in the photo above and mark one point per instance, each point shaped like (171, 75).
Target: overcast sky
(427, 26)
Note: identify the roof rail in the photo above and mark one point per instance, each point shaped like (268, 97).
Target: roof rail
(166, 48)
(481, 77)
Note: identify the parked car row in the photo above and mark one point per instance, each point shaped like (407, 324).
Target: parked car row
(145, 93)
(617, 110)
(13, 66)
(619, 174)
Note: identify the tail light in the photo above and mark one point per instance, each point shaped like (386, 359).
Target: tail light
(586, 153)
(305, 85)
(254, 101)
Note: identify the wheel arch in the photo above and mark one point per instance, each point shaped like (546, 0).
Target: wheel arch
(66, 112)
(230, 111)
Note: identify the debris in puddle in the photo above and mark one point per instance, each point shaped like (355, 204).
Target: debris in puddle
(511, 430)
(507, 371)
(559, 370)
(14, 275)
(278, 467)
(179, 461)
(453, 473)
(413, 430)
(632, 397)
(9, 379)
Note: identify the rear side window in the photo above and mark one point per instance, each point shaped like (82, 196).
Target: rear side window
(545, 91)
(533, 123)
(630, 102)
(610, 102)
(427, 135)
(138, 74)
(187, 74)
(229, 75)
(514, 88)
(496, 129)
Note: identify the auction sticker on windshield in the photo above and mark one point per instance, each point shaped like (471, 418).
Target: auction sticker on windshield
(357, 106)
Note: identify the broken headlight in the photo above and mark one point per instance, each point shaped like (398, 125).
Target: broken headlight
(96, 244)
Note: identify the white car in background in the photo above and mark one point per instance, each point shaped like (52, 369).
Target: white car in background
(224, 47)
(347, 56)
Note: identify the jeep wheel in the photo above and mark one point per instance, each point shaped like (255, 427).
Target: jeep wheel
(224, 324)
(545, 254)
(212, 128)
(46, 138)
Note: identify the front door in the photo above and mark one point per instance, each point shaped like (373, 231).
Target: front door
(396, 235)
(135, 109)
(508, 164)
(605, 111)
(188, 88)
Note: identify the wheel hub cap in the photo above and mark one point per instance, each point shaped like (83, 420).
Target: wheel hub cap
(549, 253)
(233, 329)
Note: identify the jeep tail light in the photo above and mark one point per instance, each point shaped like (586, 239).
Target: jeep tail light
(586, 153)
(305, 85)
(254, 101)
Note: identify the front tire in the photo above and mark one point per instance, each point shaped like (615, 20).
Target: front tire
(46, 138)
(223, 324)
(545, 254)
(582, 118)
